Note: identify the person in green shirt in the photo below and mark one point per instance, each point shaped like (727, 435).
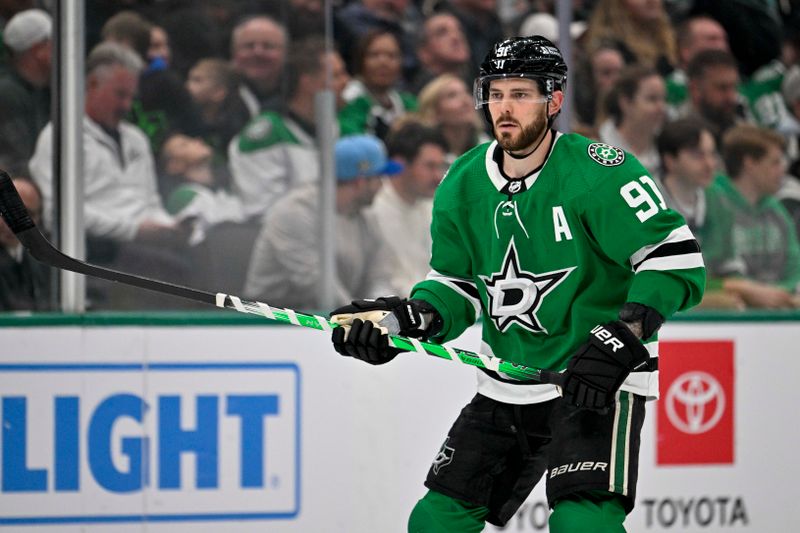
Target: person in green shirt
(693, 35)
(568, 250)
(373, 99)
(751, 247)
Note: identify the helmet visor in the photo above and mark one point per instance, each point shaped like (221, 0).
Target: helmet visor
(484, 92)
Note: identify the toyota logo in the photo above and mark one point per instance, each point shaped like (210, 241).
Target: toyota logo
(695, 402)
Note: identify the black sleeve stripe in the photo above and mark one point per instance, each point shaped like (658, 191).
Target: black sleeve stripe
(671, 249)
(469, 288)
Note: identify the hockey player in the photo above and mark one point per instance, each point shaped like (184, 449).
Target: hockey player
(554, 238)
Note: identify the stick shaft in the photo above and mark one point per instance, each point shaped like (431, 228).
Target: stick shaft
(14, 213)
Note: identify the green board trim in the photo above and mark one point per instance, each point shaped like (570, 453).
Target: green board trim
(230, 318)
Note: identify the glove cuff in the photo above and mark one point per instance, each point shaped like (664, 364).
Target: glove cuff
(418, 319)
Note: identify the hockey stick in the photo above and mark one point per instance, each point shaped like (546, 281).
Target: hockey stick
(16, 216)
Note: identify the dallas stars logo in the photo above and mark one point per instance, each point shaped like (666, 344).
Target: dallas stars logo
(605, 154)
(516, 295)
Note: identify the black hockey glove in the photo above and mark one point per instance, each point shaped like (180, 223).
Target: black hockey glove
(365, 326)
(597, 370)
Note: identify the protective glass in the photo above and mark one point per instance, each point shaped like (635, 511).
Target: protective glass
(483, 93)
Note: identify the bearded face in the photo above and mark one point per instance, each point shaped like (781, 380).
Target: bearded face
(513, 135)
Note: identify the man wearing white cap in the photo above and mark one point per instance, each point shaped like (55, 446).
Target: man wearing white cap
(24, 87)
(285, 269)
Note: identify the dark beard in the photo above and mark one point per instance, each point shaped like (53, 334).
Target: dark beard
(720, 118)
(530, 135)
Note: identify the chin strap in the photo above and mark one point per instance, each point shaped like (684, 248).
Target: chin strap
(515, 156)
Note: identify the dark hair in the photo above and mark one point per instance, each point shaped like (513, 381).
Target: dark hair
(130, 27)
(707, 59)
(360, 51)
(747, 140)
(406, 140)
(305, 57)
(681, 134)
(683, 32)
(626, 86)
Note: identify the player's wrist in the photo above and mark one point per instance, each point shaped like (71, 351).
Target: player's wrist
(642, 320)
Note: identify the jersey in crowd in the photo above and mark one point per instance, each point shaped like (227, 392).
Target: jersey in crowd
(272, 155)
(757, 241)
(545, 258)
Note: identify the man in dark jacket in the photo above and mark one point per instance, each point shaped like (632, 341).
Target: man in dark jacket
(24, 87)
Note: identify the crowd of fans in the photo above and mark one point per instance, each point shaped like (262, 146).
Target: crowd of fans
(201, 151)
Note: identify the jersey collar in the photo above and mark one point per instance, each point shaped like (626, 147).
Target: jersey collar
(502, 183)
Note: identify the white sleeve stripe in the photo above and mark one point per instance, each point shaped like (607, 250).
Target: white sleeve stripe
(450, 282)
(682, 233)
(679, 262)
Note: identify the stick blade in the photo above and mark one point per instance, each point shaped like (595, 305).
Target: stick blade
(13, 211)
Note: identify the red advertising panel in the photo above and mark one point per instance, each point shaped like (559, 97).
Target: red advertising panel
(695, 412)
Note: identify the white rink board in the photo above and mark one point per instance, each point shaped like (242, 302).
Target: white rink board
(331, 444)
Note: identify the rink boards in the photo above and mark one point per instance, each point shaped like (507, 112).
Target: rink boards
(236, 427)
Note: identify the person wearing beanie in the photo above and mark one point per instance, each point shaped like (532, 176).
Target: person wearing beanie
(285, 266)
(25, 87)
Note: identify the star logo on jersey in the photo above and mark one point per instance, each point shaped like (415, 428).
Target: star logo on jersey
(605, 154)
(516, 295)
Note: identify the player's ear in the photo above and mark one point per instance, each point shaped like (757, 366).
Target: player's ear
(555, 103)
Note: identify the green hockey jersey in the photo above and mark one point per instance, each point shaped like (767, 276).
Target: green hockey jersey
(547, 258)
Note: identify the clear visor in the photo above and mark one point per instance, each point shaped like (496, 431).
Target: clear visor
(522, 92)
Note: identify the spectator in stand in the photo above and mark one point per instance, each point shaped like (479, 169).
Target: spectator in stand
(285, 267)
(373, 99)
(159, 49)
(24, 87)
(695, 34)
(197, 194)
(480, 23)
(121, 202)
(446, 104)
(405, 201)
(213, 86)
(596, 75)
(754, 28)
(24, 282)
(713, 91)
(641, 29)
(278, 151)
(130, 29)
(442, 48)
(637, 110)
(162, 104)
(360, 17)
(762, 91)
(258, 53)
(751, 248)
(689, 163)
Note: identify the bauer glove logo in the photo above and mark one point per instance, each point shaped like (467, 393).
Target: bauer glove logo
(606, 337)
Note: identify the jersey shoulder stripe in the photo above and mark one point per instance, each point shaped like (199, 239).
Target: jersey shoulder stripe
(264, 131)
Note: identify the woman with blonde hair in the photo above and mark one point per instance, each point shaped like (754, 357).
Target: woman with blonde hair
(446, 103)
(641, 28)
